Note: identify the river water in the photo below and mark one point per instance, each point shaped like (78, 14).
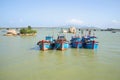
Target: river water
(21, 59)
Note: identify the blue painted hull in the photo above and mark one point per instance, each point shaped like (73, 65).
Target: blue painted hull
(91, 46)
(76, 45)
(45, 46)
(76, 42)
(47, 43)
(61, 46)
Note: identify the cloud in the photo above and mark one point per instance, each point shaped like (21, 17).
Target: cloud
(75, 21)
(116, 21)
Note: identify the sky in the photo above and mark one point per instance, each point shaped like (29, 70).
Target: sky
(50, 13)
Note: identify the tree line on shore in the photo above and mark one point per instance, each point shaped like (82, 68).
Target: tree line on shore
(23, 31)
(27, 30)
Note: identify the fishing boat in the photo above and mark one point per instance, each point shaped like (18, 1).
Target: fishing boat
(61, 43)
(89, 42)
(113, 31)
(76, 42)
(46, 44)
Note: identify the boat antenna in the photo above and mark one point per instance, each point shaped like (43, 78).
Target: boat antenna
(89, 33)
(53, 32)
(82, 32)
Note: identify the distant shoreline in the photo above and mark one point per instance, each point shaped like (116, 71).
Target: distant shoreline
(83, 28)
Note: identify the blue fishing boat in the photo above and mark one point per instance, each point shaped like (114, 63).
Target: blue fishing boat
(90, 42)
(61, 43)
(76, 42)
(46, 44)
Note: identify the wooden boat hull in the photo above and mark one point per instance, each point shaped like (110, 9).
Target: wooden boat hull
(76, 45)
(47, 43)
(45, 46)
(91, 45)
(76, 42)
(61, 46)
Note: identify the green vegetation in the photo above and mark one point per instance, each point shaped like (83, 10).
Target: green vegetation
(27, 30)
